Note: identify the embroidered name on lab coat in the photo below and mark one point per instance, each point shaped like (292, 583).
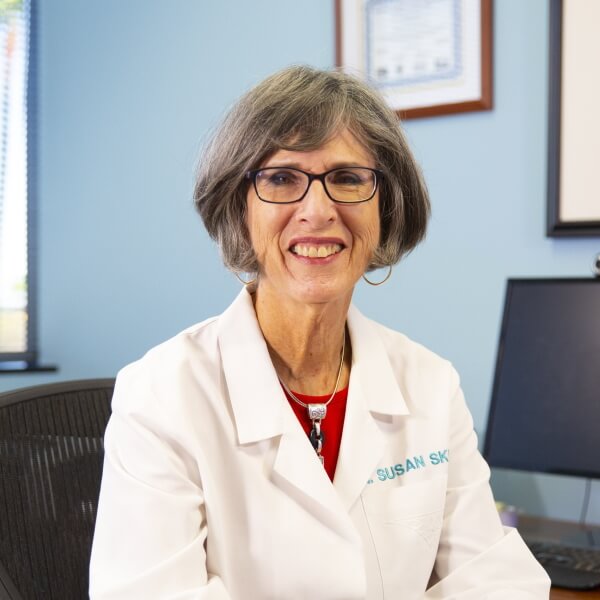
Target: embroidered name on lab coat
(433, 459)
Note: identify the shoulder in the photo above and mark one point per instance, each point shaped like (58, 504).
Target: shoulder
(415, 366)
(179, 349)
(418, 362)
(191, 343)
(395, 343)
(411, 351)
(175, 365)
(186, 373)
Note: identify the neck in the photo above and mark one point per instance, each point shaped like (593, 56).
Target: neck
(305, 341)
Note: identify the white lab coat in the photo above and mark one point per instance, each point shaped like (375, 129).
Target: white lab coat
(211, 489)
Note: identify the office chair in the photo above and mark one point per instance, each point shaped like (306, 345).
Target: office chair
(51, 453)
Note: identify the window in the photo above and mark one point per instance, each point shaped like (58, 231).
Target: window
(16, 190)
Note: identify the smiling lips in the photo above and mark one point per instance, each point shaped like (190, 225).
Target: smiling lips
(316, 250)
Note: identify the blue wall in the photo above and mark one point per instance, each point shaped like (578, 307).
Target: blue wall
(129, 89)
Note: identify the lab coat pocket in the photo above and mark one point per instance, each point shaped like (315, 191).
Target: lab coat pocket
(405, 524)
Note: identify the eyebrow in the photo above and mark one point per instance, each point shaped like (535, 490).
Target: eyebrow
(296, 165)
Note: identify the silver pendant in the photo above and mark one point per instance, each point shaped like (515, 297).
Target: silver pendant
(317, 412)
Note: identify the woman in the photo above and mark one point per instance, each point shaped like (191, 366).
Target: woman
(292, 448)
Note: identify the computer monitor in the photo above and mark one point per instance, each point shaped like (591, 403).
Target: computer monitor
(545, 409)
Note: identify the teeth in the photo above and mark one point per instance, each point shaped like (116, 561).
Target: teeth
(316, 251)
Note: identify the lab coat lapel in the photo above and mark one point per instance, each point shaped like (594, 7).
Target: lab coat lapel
(297, 464)
(252, 384)
(260, 409)
(373, 391)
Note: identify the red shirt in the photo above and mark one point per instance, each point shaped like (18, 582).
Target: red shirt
(331, 425)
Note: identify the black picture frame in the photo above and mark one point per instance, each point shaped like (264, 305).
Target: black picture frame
(556, 226)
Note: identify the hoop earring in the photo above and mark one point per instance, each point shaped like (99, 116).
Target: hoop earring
(389, 274)
(249, 282)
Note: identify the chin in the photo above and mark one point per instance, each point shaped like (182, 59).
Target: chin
(317, 292)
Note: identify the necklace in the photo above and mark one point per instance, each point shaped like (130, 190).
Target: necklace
(318, 411)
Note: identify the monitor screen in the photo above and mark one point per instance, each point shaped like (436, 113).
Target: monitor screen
(545, 409)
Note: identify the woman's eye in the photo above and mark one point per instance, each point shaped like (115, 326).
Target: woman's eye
(346, 178)
(281, 178)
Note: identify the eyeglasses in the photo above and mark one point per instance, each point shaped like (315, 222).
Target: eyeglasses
(284, 185)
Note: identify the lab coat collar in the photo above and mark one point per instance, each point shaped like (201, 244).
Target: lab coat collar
(254, 389)
(261, 410)
(371, 367)
(373, 391)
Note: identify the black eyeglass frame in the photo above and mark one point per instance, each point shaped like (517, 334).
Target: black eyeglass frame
(251, 175)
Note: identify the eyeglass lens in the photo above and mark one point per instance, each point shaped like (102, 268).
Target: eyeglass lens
(348, 184)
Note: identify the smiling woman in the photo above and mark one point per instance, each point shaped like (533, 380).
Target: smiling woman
(291, 240)
(290, 448)
(298, 110)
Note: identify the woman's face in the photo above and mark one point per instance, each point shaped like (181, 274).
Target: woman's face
(344, 235)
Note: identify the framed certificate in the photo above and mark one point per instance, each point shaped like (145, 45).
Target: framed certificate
(574, 128)
(427, 57)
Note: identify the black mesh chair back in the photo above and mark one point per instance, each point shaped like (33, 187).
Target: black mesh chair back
(51, 453)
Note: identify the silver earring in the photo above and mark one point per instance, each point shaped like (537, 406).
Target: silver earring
(389, 274)
(249, 282)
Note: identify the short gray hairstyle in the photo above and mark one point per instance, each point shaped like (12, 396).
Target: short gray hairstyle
(301, 108)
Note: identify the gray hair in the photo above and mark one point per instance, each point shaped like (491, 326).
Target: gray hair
(301, 108)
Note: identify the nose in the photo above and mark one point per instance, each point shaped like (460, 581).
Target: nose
(316, 207)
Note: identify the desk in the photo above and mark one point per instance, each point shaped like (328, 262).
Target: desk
(551, 530)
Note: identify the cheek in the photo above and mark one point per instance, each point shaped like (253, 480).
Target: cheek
(254, 222)
(264, 226)
(259, 240)
(372, 228)
(372, 243)
(375, 230)
(371, 237)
